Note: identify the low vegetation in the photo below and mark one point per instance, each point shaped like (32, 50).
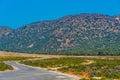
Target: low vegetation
(91, 68)
(4, 66)
(14, 58)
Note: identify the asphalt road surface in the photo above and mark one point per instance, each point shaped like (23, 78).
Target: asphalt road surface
(23, 72)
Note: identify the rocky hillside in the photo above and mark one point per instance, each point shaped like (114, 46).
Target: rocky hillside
(84, 34)
(4, 31)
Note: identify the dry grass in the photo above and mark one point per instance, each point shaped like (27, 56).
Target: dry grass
(17, 54)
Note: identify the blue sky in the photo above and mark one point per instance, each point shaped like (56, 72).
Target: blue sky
(16, 13)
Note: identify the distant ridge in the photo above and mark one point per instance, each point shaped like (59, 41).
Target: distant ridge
(84, 34)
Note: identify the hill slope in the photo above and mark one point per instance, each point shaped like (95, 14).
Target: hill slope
(4, 30)
(84, 33)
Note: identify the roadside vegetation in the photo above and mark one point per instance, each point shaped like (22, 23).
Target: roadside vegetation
(4, 66)
(14, 58)
(91, 68)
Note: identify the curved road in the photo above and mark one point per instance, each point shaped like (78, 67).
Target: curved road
(23, 72)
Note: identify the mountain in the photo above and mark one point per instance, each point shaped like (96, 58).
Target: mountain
(4, 31)
(84, 34)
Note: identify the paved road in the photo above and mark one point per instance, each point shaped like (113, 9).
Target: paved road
(23, 72)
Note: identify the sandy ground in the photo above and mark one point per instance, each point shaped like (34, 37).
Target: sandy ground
(3, 53)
